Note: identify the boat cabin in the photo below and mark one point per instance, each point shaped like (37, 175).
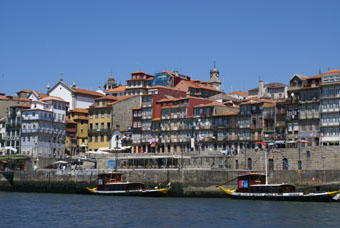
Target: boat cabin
(256, 183)
(113, 182)
(107, 178)
(248, 179)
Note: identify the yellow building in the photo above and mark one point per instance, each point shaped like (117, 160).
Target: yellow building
(81, 117)
(100, 123)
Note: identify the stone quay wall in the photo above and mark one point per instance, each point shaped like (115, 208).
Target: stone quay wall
(185, 182)
(191, 174)
(312, 158)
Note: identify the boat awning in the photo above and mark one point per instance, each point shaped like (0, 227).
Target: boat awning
(302, 141)
(279, 142)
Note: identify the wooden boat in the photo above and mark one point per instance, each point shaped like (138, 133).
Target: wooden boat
(112, 184)
(255, 186)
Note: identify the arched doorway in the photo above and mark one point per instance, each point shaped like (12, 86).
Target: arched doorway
(285, 164)
(250, 164)
(271, 164)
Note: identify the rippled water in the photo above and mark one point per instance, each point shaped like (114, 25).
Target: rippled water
(66, 210)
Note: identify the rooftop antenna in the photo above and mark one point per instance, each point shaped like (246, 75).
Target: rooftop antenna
(223, 86)
(320, 71)
(329, 68)
(61, 76)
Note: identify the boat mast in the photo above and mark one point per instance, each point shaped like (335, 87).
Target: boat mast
(265, 163)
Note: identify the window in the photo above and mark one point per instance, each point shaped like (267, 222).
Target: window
(97, 114)
(96, 138)
(102, 125)
(102, 138)
(90, 114)
(108, 113)
(108, 125)
(91, 126)
(102, 112)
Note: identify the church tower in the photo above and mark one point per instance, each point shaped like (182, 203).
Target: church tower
(215, 78)
(110, 84)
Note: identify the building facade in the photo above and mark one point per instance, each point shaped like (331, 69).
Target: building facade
(76, 97)
(44, 128)
(100, 123)
(13, 128)
(81, 117)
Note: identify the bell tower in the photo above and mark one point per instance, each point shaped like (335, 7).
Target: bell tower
(215, 78)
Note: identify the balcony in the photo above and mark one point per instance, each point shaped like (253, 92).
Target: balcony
(258, 126)
(280, 124)
(100, 130)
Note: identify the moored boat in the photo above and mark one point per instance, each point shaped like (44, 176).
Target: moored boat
(112, 184)
(255, 186)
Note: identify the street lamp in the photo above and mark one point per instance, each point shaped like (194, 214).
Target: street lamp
(198, 136)
(245, 156)
(181, 153)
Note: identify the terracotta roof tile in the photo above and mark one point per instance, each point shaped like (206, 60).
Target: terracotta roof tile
(239, 93)
(210, 104)
(88, 92)
(26, 91)
(118, 89)
(79, 110)
(3, 98)
(53, 98)
(111, 98)
(22, 106)
(137, 108)
(70, 121)
(41, 95)
(141, 72)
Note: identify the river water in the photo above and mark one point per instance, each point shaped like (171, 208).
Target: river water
(70, 210)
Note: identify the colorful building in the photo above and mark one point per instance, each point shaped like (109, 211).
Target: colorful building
(81, 117)
(100, 123)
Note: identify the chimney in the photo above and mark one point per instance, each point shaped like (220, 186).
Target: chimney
(261, 89)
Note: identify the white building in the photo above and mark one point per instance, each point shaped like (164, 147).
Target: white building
(330, 103)
(77, 98)
(2, 135)
(43, 128)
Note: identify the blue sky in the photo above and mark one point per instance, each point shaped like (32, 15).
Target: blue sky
(85, 40)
